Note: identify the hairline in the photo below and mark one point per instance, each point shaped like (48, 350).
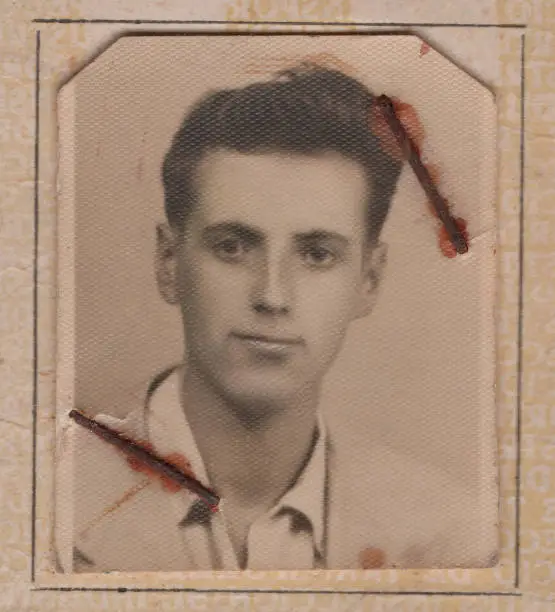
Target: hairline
(179, 223)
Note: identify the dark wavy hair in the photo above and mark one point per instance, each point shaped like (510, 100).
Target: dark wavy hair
(305, 110)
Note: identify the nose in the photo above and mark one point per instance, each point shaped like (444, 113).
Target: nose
(272, 291)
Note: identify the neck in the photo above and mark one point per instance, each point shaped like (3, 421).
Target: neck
(253, 461)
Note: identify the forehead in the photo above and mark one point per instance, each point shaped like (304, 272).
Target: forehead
(282, 191)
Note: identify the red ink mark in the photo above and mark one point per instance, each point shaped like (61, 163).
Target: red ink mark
(403, 126)
(176, 459)
(435, 174)
(434, 171)
(445, 244)
(145, 456)
(372, 558)
(424, 48)
(410, 120)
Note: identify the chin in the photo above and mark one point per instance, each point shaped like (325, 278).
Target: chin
(261, 393)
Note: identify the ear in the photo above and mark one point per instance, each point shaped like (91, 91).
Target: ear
(167, 243)
(375, 260)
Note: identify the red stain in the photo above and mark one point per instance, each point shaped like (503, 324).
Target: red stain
(435, 173)
(408, 116)
(176, 459)
(371, 558)
(445, 244)
(424, 48)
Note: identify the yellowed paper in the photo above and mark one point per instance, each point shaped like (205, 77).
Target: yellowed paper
(66, 46)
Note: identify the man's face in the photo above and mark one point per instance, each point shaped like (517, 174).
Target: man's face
(271, 269)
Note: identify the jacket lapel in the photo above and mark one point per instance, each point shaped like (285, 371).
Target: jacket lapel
(111, 499)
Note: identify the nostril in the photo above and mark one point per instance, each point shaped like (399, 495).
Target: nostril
(265, 308)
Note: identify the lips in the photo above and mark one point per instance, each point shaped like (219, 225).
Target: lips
(269, 340)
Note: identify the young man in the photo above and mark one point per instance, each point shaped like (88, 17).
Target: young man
(275, 198)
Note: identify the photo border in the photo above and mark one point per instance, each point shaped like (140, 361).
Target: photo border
(520, 321)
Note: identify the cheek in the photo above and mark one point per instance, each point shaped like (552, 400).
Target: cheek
(329, 305)
(208, 292)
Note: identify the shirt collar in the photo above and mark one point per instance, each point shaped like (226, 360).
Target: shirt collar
(308, 495)
(170, 432)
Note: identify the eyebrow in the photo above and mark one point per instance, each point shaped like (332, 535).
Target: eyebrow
(319, 235)
(256, 234)
(234, 227)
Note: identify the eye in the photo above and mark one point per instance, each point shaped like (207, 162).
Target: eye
(318, 257)
(232, 249)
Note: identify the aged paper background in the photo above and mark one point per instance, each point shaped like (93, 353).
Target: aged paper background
(71, 44)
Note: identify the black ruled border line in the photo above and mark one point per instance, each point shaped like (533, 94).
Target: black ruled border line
(380, 24)
(71, 589)
(35, 304)
(520, 332)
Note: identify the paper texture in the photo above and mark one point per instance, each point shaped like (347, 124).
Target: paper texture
(64, 47)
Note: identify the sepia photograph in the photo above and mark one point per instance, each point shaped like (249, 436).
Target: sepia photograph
(276, 349)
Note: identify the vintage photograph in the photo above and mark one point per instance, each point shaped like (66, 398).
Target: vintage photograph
(262, 296)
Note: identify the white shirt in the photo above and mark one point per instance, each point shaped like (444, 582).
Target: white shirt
(291, 535)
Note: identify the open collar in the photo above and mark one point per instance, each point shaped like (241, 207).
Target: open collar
(170, 432)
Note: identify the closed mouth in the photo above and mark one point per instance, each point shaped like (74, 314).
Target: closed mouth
(270, 340)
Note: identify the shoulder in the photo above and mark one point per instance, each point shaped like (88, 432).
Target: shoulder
(417, 511)
(98, 473)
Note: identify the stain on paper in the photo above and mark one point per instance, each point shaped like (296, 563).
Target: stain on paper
(176, 459)
(424, 48)
(372, 558)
